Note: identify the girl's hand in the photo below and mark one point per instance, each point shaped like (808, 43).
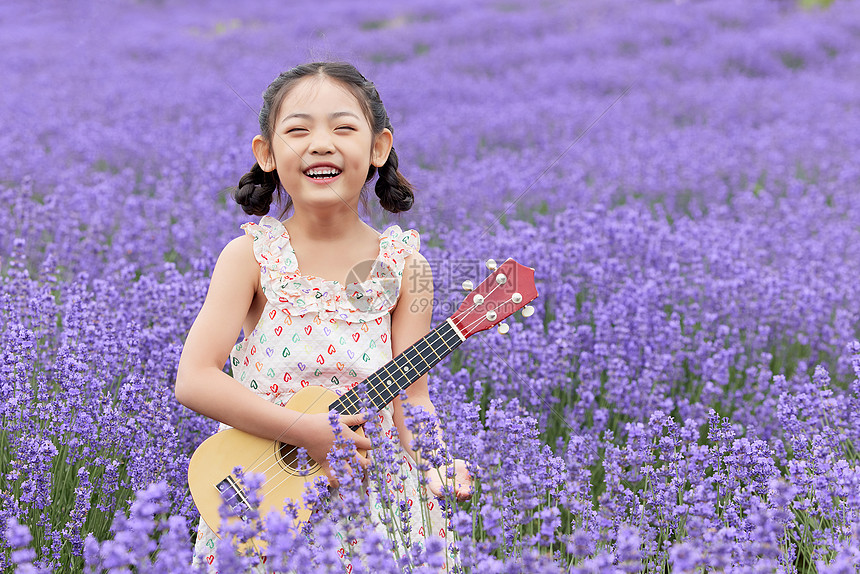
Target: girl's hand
(462, 481)
(317, 436)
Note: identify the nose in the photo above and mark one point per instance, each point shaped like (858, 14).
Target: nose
(321, 142)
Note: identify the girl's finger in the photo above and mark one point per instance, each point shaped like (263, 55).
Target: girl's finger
(352, 420)
(361, 441)
(362, 461)
(332, 481)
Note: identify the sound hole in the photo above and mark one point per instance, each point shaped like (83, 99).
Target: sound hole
(289, 460)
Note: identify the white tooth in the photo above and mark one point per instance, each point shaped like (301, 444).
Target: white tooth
(323, 171)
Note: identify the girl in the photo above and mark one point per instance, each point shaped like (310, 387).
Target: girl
(324, 134)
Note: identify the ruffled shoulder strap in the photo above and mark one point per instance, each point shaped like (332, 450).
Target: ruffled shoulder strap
(272, 247)
(395, 245)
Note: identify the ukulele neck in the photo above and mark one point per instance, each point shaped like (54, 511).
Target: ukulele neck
(403, 370)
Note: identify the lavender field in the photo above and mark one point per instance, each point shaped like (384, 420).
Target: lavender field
(683, 176)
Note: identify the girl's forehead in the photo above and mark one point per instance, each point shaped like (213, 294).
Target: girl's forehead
(319, 93)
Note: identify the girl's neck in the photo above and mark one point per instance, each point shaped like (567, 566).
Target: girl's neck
(330, 227)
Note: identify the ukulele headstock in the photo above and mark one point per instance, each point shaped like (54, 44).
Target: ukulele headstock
(508, 289)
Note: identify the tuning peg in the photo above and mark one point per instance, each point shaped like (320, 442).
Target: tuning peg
(491, 264)
(528, 311)
(504, 328)
(468, 285)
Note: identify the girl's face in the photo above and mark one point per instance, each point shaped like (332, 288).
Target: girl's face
(322, 145)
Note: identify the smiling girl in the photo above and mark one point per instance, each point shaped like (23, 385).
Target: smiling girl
(324, 134)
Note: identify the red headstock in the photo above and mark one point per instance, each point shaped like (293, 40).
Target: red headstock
(508, 289)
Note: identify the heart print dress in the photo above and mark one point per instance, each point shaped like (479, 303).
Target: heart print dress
(318, 332)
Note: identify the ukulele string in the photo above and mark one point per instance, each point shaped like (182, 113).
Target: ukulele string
(294, 449)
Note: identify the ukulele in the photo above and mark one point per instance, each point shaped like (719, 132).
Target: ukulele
(509, 288)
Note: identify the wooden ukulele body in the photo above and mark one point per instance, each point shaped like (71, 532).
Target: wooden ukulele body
(210, 470)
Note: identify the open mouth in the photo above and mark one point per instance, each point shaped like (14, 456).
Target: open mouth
(327, 172)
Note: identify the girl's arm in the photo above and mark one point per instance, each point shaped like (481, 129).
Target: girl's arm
(410, 320)
(201, 385)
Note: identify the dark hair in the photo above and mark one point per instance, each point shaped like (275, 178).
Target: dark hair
(257, 187)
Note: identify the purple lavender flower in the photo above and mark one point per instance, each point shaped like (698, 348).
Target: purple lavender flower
(692, 358)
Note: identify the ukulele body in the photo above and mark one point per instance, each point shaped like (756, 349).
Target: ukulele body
(210, 470)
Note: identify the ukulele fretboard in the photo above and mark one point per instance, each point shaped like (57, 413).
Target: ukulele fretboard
(403, 370)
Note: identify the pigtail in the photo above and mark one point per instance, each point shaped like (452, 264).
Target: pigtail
(394, 191)
(255, 190)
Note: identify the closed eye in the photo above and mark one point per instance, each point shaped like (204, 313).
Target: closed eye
(349, 128)
(294, 130)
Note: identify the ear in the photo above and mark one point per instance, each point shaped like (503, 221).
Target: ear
(263, 153)
(381, 148)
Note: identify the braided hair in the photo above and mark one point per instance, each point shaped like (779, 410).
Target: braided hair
(257, 188)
